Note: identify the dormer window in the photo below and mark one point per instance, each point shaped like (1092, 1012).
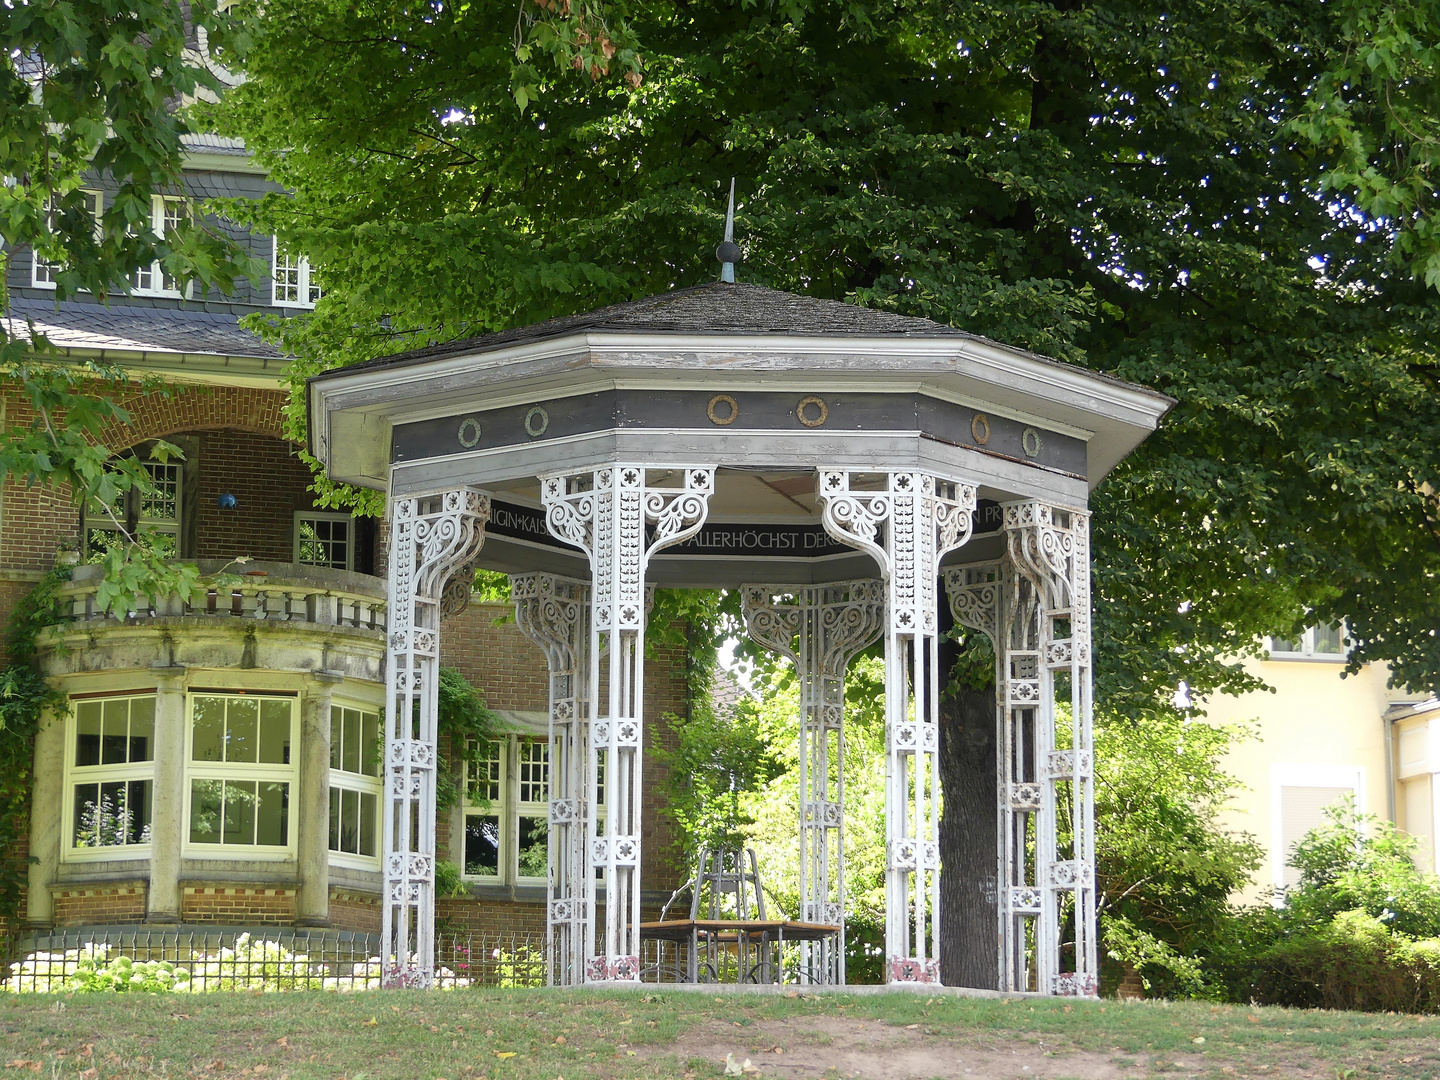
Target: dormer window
(293, 282)
(166, 213)
(43, 273)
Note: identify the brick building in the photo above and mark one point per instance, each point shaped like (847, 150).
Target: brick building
(217, 763)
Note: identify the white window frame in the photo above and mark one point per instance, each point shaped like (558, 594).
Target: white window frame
(1307, 649)
(360, 783)
(318, 515)
(243, 771)
(39, 266)
(509, 810)
(152, 280)
(1302, 776)
(307, 290)
(74, 775)
(97, 521)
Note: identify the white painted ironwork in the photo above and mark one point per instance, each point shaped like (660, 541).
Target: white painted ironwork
(819, 628)
(432, 537)
(620, 515)
(554, 613)
(1034, 606)
(908, 522)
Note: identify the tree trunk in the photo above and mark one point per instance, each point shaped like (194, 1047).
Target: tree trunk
(969, 949)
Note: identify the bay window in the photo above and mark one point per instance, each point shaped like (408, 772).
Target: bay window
(110, 765)
(355, 751)
(241, 771)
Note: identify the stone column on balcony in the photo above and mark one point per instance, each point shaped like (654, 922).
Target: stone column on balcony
(167, 806)
(311, 818)
(47, 797)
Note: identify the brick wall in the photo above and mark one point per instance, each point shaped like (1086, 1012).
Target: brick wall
(501, 662)
(355, 911)
(459, 915)
(268, 481)
(195, 408)
(100, 905)
(232, 905)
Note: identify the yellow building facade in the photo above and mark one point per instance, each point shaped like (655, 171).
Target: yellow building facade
(1322, 736)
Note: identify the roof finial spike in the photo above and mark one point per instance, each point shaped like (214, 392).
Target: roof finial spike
(729, 252)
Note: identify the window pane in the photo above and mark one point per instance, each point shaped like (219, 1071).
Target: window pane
(337, 724)
(272, 819)
(205, 804)
(274, 731)
(334, 819)
(534, 852)
(1328, 641)
(239, 816)
(369, 805)
(87, 817)
(370, 743)
(350, 747)
(323, 542)
(484, 786)
(482, 845)
(115, 741)
(142, 729)
(209, 729)
(534, 772)
(350, 821)
(163, 503)
(1284, 645)
(242, 716)
(87, 733)
(137, 812)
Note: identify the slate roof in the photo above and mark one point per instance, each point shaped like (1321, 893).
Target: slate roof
(715, 308)
(92, 327)
(201, 142)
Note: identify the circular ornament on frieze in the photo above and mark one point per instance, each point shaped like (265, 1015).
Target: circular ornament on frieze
(980, 428)
(537, 420)
(469, 433)
(812, 412)
(723, 410)
(1030, 442)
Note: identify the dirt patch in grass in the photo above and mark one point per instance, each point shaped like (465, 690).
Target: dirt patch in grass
(660, 1035)
(824, 1046)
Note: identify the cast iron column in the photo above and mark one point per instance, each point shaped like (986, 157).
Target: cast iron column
(620, 515)
(907, 524)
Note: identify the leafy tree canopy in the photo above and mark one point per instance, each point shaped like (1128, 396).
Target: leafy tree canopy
(91, 87)
(1231, 201)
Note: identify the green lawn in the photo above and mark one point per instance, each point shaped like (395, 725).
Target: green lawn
(541, 1035)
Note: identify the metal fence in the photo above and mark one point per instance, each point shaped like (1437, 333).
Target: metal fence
(195, 961)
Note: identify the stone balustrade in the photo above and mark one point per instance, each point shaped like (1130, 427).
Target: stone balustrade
(271, 592)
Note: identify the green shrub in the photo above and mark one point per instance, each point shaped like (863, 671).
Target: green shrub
(1355, 862)
(1353, 961)
(1360, 930)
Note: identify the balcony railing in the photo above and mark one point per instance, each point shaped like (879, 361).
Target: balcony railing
(272, 592)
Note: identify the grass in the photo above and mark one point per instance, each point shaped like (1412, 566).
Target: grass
(530, 1034)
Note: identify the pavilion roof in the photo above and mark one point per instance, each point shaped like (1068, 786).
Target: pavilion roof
(714, 308)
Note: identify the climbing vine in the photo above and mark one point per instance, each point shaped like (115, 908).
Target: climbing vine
(468, 725)
(24, 696)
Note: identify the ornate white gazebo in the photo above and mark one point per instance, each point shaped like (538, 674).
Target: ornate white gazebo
(833, 462)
